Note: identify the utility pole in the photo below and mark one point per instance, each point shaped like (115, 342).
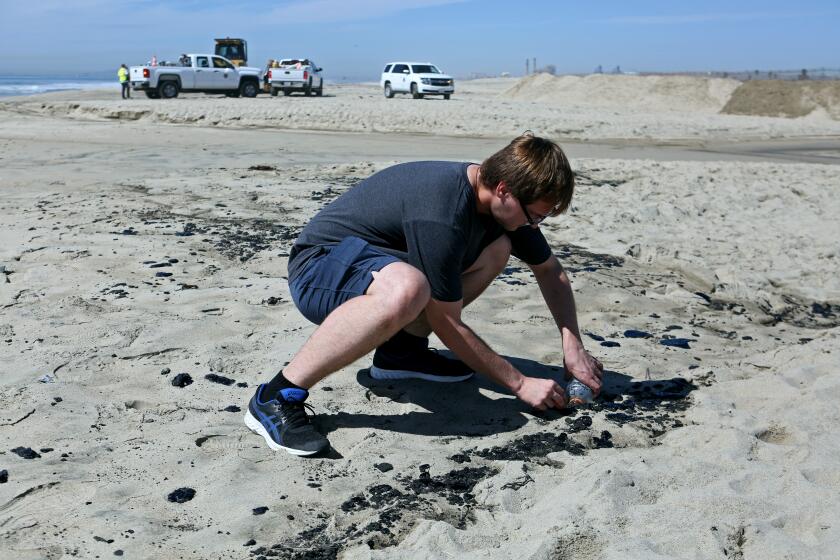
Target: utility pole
(534, 65)
(527, 68)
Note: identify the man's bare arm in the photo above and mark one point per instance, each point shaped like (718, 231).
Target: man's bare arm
(556, 289)
(445, 320)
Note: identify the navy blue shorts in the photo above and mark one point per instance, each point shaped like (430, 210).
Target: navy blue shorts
(335, 274)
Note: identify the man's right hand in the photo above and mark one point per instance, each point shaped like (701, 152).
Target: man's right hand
(541, 393)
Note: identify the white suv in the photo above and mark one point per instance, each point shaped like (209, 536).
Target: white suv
(417, 78)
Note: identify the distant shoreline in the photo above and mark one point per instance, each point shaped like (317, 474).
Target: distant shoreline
(24, 85)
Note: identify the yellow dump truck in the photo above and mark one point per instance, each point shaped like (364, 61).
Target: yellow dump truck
(235, 50)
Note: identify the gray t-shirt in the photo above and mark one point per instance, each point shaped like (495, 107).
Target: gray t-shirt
(423, 213)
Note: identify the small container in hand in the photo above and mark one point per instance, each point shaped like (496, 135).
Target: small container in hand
(578, 393)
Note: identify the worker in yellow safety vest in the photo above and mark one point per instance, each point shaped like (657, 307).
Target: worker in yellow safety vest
(122, 74)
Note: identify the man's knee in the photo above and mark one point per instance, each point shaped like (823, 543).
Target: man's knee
(403, 289)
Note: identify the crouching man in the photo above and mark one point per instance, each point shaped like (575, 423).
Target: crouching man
(400, 255)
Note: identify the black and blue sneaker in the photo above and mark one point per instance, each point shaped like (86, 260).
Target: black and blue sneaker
(283, 423)
(405, 356)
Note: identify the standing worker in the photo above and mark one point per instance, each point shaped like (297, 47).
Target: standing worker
(122, 73)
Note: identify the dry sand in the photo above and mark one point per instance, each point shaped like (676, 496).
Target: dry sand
(135, 250)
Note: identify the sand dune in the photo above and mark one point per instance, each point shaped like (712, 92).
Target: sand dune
(652, 93)
(685, 94)
(777, 98)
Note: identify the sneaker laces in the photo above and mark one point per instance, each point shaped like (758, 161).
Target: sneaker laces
(293, 414)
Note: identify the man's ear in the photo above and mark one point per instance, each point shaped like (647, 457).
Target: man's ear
(501, 190)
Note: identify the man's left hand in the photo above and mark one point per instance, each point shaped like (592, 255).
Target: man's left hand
(585, 368)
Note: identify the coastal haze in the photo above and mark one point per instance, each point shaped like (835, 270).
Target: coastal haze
(143, 297)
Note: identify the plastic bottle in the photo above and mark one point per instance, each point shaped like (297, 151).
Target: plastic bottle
(578, 393)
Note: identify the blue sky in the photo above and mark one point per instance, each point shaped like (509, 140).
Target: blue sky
(352, 39)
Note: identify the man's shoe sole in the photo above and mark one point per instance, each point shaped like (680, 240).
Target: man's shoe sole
(379, 373)
(259, 429)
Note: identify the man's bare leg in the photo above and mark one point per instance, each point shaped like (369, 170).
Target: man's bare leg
(475, 280)
(398, 293)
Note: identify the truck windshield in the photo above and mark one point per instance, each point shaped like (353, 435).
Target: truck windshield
(424, 69)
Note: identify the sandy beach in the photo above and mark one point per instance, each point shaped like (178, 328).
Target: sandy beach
(142, 240)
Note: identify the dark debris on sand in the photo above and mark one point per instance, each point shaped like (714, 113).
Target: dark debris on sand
(385, 511)
(337, 186)
(181, 495)
(590, 178)
(236, 238)
(182, 380)
(575, 259)
(651, 406)
(789, 309)
(220, 379)
(454, 486)
(420, 495)
(513, 275)
(26, 453)
(676, 342)
(532, 446)
(803, 313)
(238, 243)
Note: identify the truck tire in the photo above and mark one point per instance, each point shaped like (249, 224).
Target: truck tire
(414, 93)
(249, 88)
(152, 94)
(389, 93)
(168, 89)
(307, 89)
(274, 91)
(446, 96)
(320, 91)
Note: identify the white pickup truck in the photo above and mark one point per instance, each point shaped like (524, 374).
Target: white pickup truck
(206, 73)
(295, 74)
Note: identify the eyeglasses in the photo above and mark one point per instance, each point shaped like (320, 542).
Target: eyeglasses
(531, 221)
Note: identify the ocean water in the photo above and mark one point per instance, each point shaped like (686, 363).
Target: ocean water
(30, 85)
